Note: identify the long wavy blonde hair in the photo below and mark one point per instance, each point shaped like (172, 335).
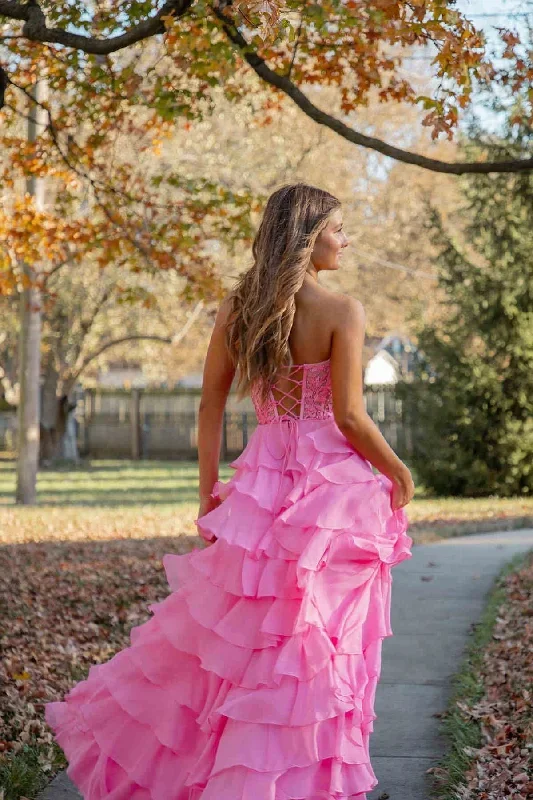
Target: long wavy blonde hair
(263, 304)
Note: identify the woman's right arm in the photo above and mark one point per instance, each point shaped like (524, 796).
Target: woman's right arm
(348, 400)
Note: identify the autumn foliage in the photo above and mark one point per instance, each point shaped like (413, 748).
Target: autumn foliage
(132, 73)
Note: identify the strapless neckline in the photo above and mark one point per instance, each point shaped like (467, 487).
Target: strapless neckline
(309, 364)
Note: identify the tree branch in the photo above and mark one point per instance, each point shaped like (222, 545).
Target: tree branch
(296, 43)
(13, 9)
(68, 261)
(50, 126)
(87, 324)
(4, 83)
(85, 327)
(92, 356)
(195, 313)
(285, 85)
(36, 30)
(134, 337)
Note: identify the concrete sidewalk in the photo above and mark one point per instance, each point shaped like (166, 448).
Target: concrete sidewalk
(437, 595)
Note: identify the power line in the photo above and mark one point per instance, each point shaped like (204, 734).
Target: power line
(392, 265)
(499, 14)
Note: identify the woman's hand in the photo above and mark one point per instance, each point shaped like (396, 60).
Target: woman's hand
(403, 490)
(207, 503)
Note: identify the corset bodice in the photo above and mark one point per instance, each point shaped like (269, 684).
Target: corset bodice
(312, 402)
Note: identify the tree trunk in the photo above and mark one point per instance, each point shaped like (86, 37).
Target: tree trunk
(58, 426)
(69, 441)
(28, 419)
(49, 413)
(58, 432)
(30, 345)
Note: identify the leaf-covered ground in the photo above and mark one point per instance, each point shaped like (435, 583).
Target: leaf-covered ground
(74, 579)
(78, 572)
(490, 719)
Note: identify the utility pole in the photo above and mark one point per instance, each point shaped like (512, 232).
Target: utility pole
(30, 335)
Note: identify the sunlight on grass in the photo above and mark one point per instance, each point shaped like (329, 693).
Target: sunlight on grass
(112, 483)
(102, 500)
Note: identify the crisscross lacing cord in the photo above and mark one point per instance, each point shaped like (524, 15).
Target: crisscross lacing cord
(289, 417)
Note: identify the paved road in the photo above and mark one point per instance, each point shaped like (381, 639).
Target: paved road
(437, 595)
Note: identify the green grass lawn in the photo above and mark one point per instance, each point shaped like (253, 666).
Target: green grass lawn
(108, 499)
(104, 500)
(112, 483)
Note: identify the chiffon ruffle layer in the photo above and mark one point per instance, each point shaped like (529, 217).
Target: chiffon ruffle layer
(255, 678)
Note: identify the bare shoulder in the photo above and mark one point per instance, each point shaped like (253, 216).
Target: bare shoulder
(345, 310)
(225, 308)
(334, 311)
(352, 309)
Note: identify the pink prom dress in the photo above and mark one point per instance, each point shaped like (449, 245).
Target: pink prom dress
(255, 678)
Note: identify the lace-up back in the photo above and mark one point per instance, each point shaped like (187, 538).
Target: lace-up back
(308, 395)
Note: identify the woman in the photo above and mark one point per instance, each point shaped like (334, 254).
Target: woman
(255, 678)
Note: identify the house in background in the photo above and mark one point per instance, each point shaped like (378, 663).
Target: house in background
(382, 370)
(386, 360)
(122, 374)
(395, 357)
(193, 380)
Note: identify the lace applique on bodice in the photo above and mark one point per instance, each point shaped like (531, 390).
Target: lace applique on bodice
(308, 395)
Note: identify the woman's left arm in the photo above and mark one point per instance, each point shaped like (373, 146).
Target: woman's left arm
(217, 378)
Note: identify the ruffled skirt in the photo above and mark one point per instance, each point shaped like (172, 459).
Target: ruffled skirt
(255, 678)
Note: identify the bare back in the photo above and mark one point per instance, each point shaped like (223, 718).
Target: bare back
(310, 339)
(327, 326)
(312, 329)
